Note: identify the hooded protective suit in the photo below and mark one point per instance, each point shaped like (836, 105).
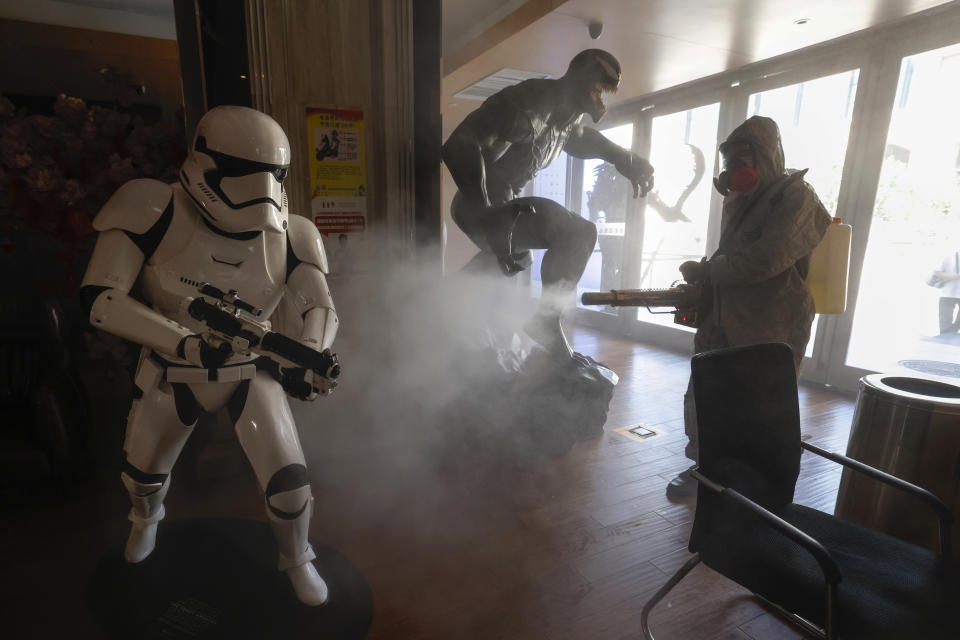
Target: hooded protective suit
(757, 274)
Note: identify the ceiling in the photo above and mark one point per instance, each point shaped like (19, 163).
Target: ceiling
(661, 43)
(464, 20)
(151, 18)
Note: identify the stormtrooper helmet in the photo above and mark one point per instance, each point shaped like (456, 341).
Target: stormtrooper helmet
(235, 170)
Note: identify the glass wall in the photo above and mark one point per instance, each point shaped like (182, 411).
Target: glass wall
(901, 321)
(899, 187)
(551, 183)
(603, 199)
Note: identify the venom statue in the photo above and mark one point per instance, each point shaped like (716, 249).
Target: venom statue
(502, 145)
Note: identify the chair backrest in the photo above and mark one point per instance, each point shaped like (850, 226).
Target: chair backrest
(748, 424)
(23, 348)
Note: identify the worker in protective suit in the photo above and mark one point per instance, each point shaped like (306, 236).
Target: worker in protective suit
(772, 221)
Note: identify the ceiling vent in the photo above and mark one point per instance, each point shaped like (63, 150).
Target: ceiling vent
(483, 89)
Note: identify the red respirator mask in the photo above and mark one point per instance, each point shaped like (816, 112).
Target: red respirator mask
(742, 179)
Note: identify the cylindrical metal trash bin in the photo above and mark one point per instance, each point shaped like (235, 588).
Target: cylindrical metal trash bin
(910, 428)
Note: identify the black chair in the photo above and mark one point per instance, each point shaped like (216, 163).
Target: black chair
(44, 411)
(832, 578)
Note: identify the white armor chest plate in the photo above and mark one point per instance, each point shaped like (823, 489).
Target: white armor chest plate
(192, 253)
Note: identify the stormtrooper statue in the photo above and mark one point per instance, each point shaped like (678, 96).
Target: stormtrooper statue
(226, 224)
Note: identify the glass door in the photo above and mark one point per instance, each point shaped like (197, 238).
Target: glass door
(676, 213)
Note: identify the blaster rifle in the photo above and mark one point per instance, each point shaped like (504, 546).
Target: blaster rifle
(303, 371)
(687, 300)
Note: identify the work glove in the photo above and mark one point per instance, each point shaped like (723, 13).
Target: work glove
(694, 271)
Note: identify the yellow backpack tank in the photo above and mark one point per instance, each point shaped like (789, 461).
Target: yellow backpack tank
(830, 268)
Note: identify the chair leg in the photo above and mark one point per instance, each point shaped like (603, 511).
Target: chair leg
(829, 629)
(805, 625)
(664, 590)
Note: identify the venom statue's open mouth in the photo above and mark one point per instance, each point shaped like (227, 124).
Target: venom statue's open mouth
(596, 95)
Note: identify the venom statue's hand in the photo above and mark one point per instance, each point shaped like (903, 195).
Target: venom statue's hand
(638, 171)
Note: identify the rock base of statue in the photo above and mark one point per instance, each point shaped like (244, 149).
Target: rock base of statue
(519, 405)
(217, 578)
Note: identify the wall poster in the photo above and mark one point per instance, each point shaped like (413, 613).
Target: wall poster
(338, 183)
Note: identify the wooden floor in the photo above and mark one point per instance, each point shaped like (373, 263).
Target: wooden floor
(569, 548)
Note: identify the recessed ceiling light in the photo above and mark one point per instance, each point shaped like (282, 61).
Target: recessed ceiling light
(801, 21)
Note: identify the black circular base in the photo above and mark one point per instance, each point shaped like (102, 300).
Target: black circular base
(218, 578)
